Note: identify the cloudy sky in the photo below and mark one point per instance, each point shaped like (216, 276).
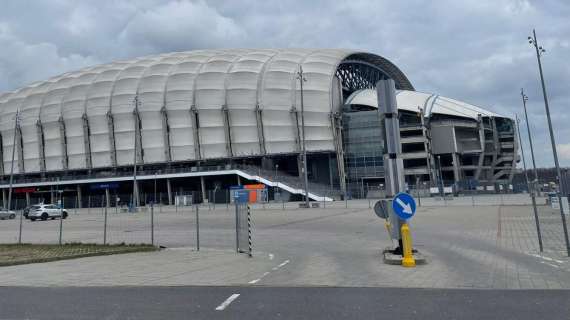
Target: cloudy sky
(476, 51)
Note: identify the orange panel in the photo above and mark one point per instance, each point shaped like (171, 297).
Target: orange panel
(252, 196)
(254, 186)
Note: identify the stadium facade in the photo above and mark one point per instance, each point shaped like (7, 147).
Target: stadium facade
(208, 119)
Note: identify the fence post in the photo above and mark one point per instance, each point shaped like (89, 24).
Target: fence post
(176, 202)
(152, 223)
(249, 231)
(89, 204)
(237, 226)
(105, 218)
(20, 232)
(197, 229)
(61, 218)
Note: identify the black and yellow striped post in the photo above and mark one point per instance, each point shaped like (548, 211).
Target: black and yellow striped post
(249, 231)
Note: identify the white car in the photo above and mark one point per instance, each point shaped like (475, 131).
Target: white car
(46, 211)
(7, 214)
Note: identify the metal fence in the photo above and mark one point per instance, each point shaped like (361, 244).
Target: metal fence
(197, 226)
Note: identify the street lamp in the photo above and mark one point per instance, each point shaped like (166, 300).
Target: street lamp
(16, 125)
(539, 51)
(302, 79)
(524, 100)
(275, 177)
(536, 221)
(135, 203)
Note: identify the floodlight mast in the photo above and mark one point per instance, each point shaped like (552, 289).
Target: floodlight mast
(539, 51)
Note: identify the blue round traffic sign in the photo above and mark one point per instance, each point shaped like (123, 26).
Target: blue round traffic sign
(404, 205)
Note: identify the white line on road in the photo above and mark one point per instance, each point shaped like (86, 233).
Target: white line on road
(271, 256)
(550, 264)
(254, 281)
(545, 258)
(283, 263)
(227, 302)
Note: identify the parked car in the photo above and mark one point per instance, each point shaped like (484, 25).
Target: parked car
(7, 214)
(46, 211)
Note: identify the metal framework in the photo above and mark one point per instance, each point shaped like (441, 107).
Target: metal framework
(111, 128)
(41, 149)
(87, 141)
(166, 134)
(356, 75)
(63, 141)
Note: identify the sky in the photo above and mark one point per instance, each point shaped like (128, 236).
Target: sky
(475, 51)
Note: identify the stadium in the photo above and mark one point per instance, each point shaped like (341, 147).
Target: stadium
(205, 121)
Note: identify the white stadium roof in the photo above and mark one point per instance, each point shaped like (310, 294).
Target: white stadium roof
(430, 103)
(244, 87)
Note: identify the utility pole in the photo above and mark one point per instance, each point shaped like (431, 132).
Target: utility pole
(135, 186)
(529, 187)
(302, 79)
(16, 125)
(525, 99)
(539, 51)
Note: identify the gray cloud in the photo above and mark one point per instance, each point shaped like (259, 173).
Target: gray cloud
(470, 50)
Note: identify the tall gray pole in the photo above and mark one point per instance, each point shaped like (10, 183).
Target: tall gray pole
(16, 124)
(525, 99)
(393, 163)
(303, 146)
(529, 187)
(135, 186)
(539, 51)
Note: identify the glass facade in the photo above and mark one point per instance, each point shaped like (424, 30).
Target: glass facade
(363, 145)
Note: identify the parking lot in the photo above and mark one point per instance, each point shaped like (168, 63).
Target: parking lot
(490, 246)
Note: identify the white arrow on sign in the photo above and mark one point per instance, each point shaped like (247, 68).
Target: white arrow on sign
(406, 206)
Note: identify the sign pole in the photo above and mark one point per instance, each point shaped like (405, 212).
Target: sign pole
(393, 163)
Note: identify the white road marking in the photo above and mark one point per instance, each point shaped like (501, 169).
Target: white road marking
(267, 272)
(227, 302)
(283, 263)
(550, 264)
(545, 258)
(271, 256)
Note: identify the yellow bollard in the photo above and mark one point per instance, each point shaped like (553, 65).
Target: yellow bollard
(408, 260)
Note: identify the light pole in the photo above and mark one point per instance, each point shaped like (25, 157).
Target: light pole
(530, 190)
(304, 149)
(16, 125)
(275, 177)
(135, 186)
(524, 100)
(539, 51)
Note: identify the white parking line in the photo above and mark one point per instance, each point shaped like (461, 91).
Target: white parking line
(271, 256)
(267, 272)
(227, 302)
(283, 263)
(545, 258)
(550, 264)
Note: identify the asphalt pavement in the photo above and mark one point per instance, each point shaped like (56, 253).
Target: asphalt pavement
(280, 302)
